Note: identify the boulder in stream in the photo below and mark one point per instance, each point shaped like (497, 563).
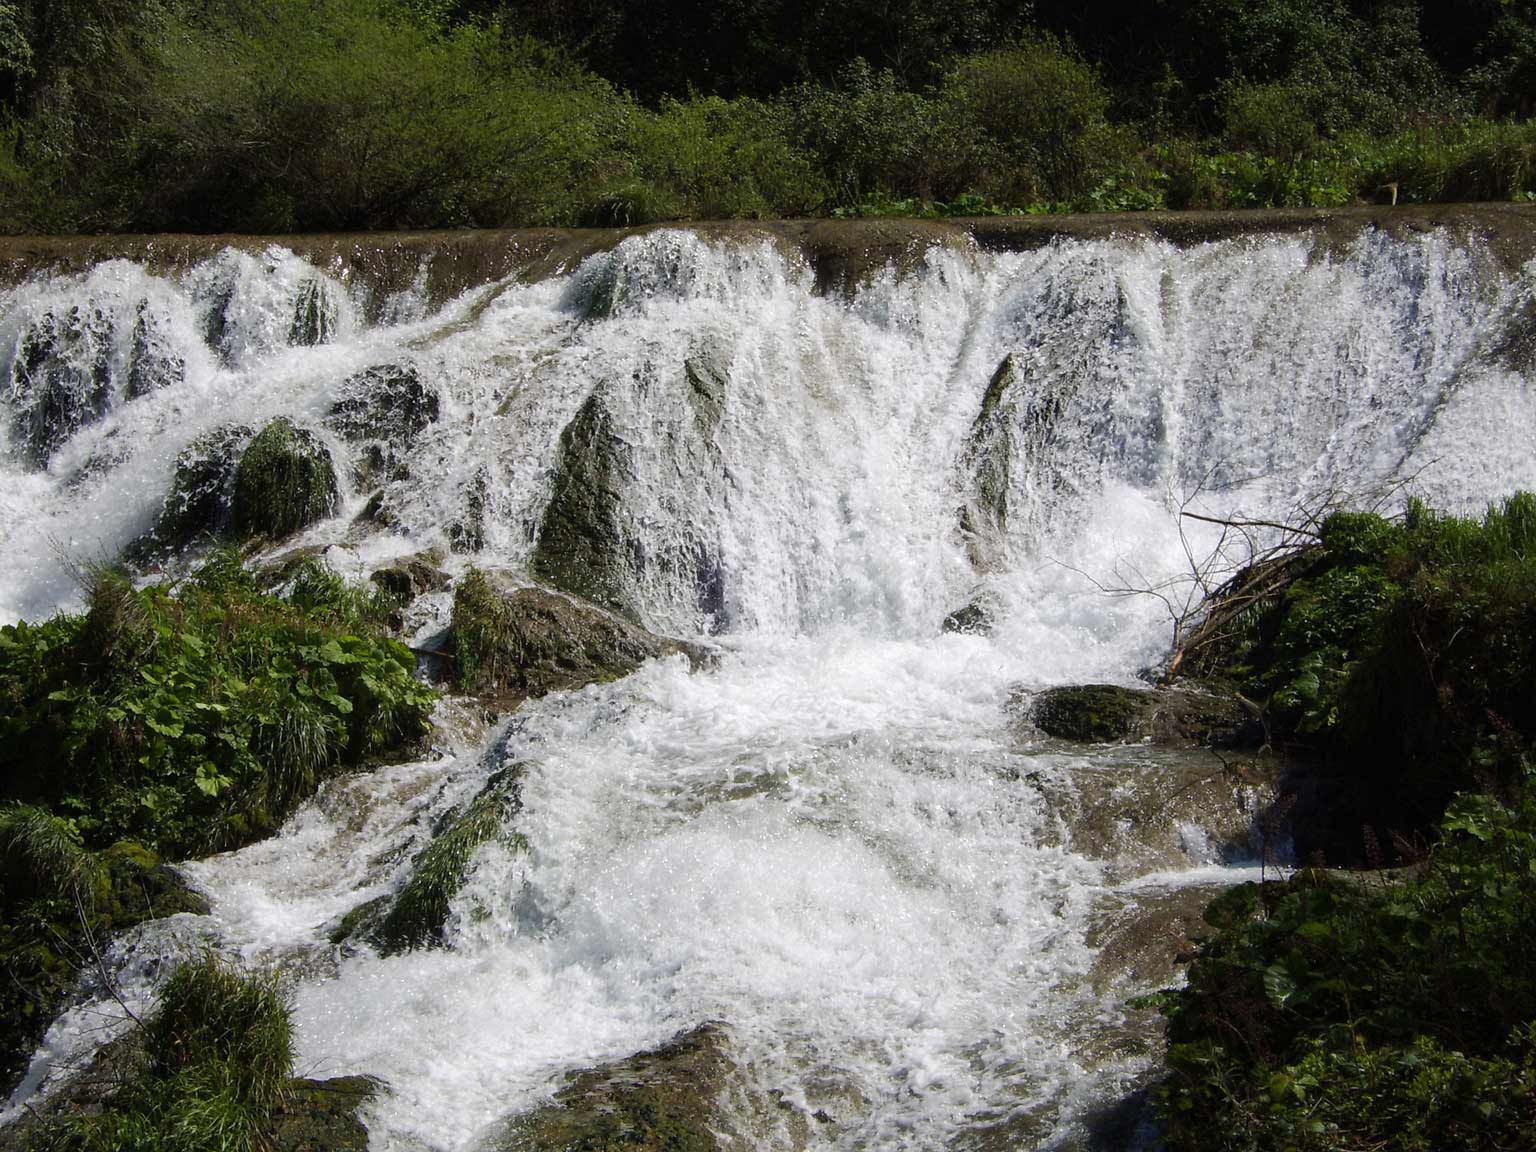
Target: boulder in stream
(285, 481)
(202, 487)
(530, 641)
(1110, 713)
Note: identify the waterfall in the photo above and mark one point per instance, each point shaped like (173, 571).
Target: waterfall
(838, 842)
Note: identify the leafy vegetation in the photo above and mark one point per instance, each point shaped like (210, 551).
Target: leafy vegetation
(1348, 1013)
(170, 722)
(329, 114)
(1334, 1015)
(192, 719)
(1403, 650)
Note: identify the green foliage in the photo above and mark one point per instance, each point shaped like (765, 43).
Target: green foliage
(1335, 1015)
(194, 719)
(484, 631)
(219, 1054)
(1406, 652)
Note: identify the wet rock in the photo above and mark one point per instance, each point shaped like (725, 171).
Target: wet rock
(384, 402)
(418, 913)
(467, 532)
(1109, 713)
(1141, 937)
(1142, 809)
(153, 362)
(285, 481)
(975, 619)
(61, 380)
(663, 1100)
(581, 547)
(529, 641)
(707, 380)
(383, 408)
(412, 576)
(321, 1115)
(315, 314)
(202, 488)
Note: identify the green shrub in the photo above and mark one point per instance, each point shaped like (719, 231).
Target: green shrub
(1329, 1014)
(1036, 117)
(219, 1055)
(193, 719)
(284, 481)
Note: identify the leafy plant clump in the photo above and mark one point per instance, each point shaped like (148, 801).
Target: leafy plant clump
(193, 719)
(1403, 650)
(1333, 1015)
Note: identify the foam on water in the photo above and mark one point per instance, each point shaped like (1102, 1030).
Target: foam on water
(833, 842)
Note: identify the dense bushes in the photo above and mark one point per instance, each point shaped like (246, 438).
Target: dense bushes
(1404, 650)
(193, 720)
(1332, 1015)
(1400, 1013)
(217, 1058)
(383, 113)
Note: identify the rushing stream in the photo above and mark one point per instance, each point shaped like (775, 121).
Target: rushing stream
(840, 841)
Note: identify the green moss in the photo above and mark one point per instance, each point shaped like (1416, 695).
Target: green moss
(1090, 713)
(662, 1100)
(284, 482)
(201, 487)
(419, 910)
(529, 641)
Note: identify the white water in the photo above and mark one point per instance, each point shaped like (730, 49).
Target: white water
(833, 842)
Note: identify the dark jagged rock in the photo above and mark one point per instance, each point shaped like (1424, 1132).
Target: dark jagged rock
(467, 533)
(321, 1115)
(203, 487)
(417, 914)
(411, 577)
(284, 482)
(529, 641)
(975, 619)
(663, 1100)
(581, 548)
(1109, 713)
(152, 363)
(383, 402)
(61, 380)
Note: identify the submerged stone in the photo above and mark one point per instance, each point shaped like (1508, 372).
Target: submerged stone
(581, 547)
(315, 314)
(61, 380)
(152, 362)
(1109, 713)
(975, 619)
(284, 482)
(384, 402)
(418, 913)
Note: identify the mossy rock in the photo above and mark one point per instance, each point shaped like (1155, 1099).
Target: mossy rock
(581, 548)
(202, 487)
(975, 619)
(285, 481)
(419, 911)
(321, 1115)
(42, 936)
(1109, 713)
(662, 1100)
(411, 577)
(61, 380)
(529, 641)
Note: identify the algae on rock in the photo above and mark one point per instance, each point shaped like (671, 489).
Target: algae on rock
(202, 487)
(419, 911)
(581, 549)
(530, 641)
(667, 1099)
(284, 482)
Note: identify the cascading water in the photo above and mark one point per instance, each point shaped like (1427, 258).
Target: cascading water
(836, 842)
